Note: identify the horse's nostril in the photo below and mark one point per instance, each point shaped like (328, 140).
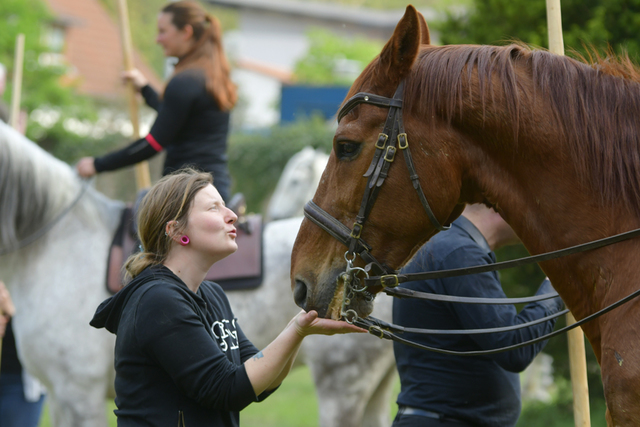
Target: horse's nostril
(300, 294)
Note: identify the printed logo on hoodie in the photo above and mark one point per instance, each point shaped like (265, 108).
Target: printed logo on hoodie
(226, 334)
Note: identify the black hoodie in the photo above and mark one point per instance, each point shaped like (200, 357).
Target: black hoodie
(179, 355)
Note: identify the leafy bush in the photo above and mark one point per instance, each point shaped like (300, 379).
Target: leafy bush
(256, 160)
(334, 60)
(591, 22)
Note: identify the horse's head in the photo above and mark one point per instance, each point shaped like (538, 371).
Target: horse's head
(396, 222)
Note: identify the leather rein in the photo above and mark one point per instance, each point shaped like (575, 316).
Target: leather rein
(389, 279)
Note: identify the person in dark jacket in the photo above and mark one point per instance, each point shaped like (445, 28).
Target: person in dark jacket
(455, 391)
(181, 357)
(193, 112)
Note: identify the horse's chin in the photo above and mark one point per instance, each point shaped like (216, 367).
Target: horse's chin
(359, 304)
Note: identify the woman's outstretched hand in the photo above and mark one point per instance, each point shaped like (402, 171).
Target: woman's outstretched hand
(310, 324)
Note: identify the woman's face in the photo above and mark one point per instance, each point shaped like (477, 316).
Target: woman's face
(174, 41)
(210, 226)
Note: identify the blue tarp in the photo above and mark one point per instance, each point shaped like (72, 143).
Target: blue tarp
(306, 101)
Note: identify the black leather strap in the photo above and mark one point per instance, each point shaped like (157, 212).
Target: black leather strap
(384, 331)
(401, 278)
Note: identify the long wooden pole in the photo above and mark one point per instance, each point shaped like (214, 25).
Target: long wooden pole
(16, 89)
(143, 179)
(577, 355)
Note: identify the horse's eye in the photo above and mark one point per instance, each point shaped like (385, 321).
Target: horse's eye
(347, 150)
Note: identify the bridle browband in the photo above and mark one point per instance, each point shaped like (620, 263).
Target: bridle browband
(389, 280)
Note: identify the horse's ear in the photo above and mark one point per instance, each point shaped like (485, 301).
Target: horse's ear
(398, 54)
(424, 29)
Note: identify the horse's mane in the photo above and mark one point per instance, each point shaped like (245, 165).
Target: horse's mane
(34, 187)
(596, 106)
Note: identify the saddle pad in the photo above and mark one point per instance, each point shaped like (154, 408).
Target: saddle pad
(242, 269)
(122, 245)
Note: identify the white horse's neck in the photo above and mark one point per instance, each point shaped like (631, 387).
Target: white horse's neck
(34, 186)
(297, 184)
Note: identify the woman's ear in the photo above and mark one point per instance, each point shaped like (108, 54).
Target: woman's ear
(188, 32)
(170, 229)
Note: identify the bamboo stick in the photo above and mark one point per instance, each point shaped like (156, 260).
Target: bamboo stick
(143, 179)
(577, 355)
(17, 82)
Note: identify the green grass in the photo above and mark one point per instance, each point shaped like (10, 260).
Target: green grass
(295, 405)
(46, 422)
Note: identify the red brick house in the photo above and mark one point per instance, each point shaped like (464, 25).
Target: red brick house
(88, 40)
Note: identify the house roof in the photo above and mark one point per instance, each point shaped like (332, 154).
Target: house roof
(93, 48)
(387, 19)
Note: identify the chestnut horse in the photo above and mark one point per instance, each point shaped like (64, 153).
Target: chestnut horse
(551, 143)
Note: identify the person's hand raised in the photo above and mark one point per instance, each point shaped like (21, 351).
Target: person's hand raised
(310, 324)
(136, 77)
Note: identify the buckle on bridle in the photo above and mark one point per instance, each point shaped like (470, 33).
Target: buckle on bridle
(357, 230)
(389, 281)
(390, 154)
(403, 141)
(382, 140)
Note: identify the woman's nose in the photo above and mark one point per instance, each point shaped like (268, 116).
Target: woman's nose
(232, 217)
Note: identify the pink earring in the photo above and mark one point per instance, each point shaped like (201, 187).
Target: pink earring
(184, 240)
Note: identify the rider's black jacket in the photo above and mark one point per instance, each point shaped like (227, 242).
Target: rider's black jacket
(190, 127)
(179, 355)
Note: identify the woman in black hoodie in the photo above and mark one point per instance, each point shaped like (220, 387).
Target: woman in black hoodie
(181, 357)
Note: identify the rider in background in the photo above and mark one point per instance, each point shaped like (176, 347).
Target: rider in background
(444, 390)
(193, 111)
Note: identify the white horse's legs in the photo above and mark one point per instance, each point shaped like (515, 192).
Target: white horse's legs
(354, 375)
(56, 291)
(377, 411)
(348, 372)
(67, 410)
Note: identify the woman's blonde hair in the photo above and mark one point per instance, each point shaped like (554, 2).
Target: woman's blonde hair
(170, 199)
(207, 52)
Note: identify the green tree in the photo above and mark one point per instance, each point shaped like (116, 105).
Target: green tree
(266, 153)
(334, 60)
(40, 83)
(44, 87)
(585, 22)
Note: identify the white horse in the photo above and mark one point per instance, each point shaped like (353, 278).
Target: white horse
(58, 280)
(297, 185)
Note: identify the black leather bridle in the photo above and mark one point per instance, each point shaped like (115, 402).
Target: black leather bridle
(389, 279)
(385, 152)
